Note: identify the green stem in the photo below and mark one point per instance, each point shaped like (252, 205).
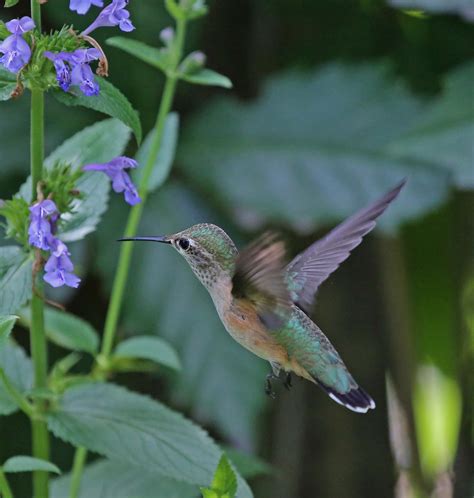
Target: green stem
(39, 351)
(77, 469)
(136, 212)
(5, 490)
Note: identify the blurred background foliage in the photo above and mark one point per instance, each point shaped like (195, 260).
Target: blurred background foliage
(333, 103)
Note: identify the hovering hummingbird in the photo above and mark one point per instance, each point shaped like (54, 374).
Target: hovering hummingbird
(263, 302)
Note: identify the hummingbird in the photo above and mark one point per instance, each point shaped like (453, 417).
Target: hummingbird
(264, 302)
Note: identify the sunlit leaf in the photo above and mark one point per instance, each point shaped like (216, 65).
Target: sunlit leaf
(465, 8)
(135, 429)
(224, 482)
(19, 369)
(22, 463)
(311, 150)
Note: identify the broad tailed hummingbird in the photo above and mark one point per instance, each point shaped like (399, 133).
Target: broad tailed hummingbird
(263, 302)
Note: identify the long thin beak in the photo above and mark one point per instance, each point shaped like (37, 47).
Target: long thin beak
(163, 239)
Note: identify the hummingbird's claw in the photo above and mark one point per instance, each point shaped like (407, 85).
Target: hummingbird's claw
(268, 386)
(287, 382)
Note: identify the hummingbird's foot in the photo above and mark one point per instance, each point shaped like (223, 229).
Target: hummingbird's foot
(287, 382)
(268, 385)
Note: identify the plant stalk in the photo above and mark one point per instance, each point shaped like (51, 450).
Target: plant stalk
(133, 221)
(137, 210)
(39, 351)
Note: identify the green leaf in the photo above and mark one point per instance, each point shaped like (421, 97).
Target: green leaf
(6, 325)
(11, 3)
(249, 466)
(134, 429)
(207, 77)
(443, 134)
(149, 348)
(219, 382)
(19, 369)
(7, 84)
(112, 479)
(165, 157)
(311, 150)
(15, 279)
(22, 463)
(67, 330)
(224, 481)
(151, 55)
(110, 101)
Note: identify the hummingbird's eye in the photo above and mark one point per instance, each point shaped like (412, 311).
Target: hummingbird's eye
(183, 244)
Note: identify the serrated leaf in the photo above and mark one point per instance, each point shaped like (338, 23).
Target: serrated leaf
(151, 55)
(19, 369)
(462, 7)
(112, 479)
(165, 157)
(149, 348)
(311, 150)
(15, 278)
(21, 463)
(6, 325)
(220, 382)
(110, 101)
(443, 134)
(207, 77)
(134, 429)
(67, 330)
(7, 84)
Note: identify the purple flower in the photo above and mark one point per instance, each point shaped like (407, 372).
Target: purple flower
(63, 69)
(115, 14)
(83, 77)
(20, 26)
(72, 68)
(121, 182)
(42, 215)
(16, 52)
(59, 266)
(83, 6)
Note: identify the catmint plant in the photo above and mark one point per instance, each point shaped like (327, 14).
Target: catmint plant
(59, 204)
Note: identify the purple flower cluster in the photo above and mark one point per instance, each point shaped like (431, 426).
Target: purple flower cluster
(121, 182)
(16, 52)
(72, 68)
(59, 267)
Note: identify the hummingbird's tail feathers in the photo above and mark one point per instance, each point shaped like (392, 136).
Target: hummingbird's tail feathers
(356, 399)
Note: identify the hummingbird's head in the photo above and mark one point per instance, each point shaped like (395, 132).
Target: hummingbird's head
(208, 250)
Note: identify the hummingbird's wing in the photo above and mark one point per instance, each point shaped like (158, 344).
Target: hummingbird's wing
(314, 265)
(259, 276)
